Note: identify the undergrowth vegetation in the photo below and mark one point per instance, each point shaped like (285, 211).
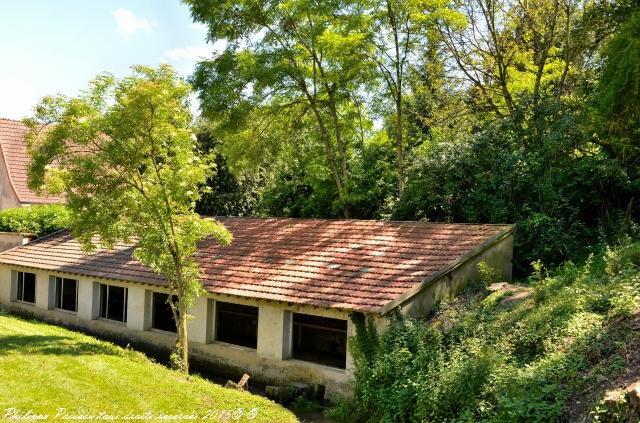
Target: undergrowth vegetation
(38, 220)
(518, 354)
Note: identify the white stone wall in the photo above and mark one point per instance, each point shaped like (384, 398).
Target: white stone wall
(8, 198)
(269, 363)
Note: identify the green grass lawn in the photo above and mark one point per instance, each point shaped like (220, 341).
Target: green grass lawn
(44, 368)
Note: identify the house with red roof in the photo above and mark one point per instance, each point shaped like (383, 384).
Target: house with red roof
(14, 161)
(277, 302)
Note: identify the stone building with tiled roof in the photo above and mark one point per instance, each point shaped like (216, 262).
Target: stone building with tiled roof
(14, 160)
(277, 302)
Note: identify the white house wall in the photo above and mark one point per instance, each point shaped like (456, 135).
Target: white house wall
(268, 363)
(8, 197)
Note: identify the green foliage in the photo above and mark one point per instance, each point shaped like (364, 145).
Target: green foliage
(483, 360)
(38, 220)
(541, 172)
(124, 153)
(294, 83)
(229, 194)
(488, 274)
(611, 412)
(304, 189)
(619, 88)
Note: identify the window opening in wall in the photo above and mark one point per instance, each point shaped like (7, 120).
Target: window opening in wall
(26, 287)
(237, 324)
(162, 314)
(113, 302)
(66, 294)
(319, 340)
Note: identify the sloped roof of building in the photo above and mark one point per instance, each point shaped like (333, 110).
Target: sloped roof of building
(13, 149)
(346, 264)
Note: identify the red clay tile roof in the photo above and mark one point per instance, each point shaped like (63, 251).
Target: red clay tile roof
(346, 264)
(14, 150)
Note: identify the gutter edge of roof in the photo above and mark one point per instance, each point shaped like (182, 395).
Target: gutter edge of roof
(430, 280)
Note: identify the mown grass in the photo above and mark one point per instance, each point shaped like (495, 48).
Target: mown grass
(44, 368)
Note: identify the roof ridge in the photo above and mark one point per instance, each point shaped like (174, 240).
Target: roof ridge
(12, 120)
(323, 219)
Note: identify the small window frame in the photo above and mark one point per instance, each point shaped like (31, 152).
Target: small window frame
(337, 360)
(155, 301)
(104, 305)
(241, 310)
(59, 294)
(20, 288)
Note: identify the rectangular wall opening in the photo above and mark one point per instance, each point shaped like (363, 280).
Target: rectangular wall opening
(320, 340)
(113, 302)
(162, 316)
(237, 324)
(66, 294)
(26, 287)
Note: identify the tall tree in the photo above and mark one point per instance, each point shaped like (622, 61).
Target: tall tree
(125, 156)
(512, 48)
(402, 31)
(618, 93)
(290, 64)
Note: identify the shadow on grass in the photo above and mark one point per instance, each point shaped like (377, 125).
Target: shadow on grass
(54, 345)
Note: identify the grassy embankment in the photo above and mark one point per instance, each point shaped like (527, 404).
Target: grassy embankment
(45, 368)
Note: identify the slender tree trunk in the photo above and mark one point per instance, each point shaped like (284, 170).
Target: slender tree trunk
(338, 172)
(342, 154)
(393, 22)
(179, 310)
(400, 145)
(544, 54)
(183, 340)
(400, 141)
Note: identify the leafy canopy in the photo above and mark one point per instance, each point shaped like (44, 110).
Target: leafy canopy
(39, 220)
(124, 153)
(292, 74)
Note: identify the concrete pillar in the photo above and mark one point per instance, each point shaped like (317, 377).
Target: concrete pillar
(42, 291)
(95, 304)
(86, 299)
(138, 308)
(271, 329)
(14, 285)
(5, 284)
(51, 293)
(351, 331)
(201, 324)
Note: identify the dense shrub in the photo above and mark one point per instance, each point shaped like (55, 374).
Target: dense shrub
(39, 220)
(484, 360)
(541, 172)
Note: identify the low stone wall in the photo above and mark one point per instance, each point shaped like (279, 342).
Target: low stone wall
(498, 256)
(9, 240)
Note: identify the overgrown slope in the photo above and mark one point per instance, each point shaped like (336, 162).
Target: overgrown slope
(53, 371)
(545, 351)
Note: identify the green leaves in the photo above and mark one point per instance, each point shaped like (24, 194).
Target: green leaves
(290, 77)
(124, 153)
(39, 220)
